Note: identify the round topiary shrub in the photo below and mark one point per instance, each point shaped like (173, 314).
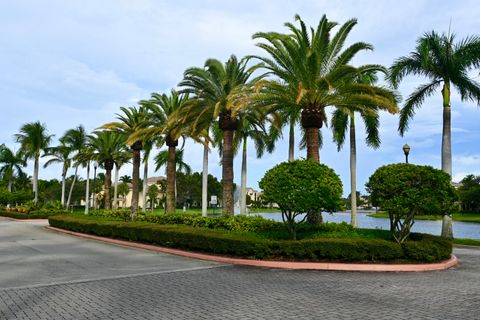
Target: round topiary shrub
(299, 187)
(406, 190)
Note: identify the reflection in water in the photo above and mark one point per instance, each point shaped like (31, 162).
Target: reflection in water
(468, 230)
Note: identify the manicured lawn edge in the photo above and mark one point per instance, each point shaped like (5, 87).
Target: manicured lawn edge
(244, 245)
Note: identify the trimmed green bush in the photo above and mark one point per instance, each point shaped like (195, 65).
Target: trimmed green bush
(249, 245)
(20, 215)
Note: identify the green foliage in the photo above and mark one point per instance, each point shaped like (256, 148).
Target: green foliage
(121, 214)
(406, 190)
(300, 187)
(249, 245)
(469, 193)
(14, 198)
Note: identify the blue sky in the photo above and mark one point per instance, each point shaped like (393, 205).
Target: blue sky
(67, 63)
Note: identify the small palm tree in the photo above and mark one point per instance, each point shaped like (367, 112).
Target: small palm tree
(147, 148)
(344, 118)
(126, 179)
(33, 138)
(131, 121)
(445, 64)
(60, 154)
(12, 164)
(163, 128)
(107, 147)
(75, 139)
(84, 158)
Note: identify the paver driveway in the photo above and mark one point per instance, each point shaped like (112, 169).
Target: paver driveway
(45, 275)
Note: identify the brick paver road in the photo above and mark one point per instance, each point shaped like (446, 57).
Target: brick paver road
(168, 287)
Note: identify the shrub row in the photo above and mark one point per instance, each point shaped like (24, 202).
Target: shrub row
(248, 245)
(21, 215)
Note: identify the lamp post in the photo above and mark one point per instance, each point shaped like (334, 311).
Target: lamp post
(95, 165)
(406, 151)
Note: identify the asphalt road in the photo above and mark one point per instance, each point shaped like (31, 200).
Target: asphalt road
(46, 275)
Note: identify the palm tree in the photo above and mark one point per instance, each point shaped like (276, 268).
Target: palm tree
(251, 126)
(121, 159)
(163, 127)
(107, 146)
(344, 117)
(147, 148)
(163, 159)
(126, 179)
(60, 154)
(216, 89)
(445, 64)
(130, 122)
(313, 73)
(75, 139)
(12, 164)
(84, 158)
(33, 138)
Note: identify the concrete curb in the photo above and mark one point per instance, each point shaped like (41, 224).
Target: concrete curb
(276, 264)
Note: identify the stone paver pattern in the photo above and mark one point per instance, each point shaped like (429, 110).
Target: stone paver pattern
(93, 280)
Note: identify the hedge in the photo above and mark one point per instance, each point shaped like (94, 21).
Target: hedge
(248, 245)
(20, 215)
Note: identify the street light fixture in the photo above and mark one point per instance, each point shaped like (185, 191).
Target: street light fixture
(406, 151)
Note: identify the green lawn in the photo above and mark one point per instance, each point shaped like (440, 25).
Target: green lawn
(465, 217)
(467, 242)
(210, 211)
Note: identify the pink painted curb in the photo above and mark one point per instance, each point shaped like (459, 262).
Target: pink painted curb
(276, 264)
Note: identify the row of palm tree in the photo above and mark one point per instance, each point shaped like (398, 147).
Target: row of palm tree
(303, 72)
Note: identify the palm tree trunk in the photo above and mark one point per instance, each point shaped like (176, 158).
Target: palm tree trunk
(71, 187)
(205, 180)
(10, 183)
(135, 181)
(145, 178)
(63, 189)
(87, 189)
(313, 144)
(243, 187)
(446, 134)
(291, 140)
(227, 172)
(35, 179)
(115, 188)
(446, 151)
(171, 166)
(108, 186)
(353, 171)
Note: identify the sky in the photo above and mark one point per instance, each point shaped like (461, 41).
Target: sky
(67, 63)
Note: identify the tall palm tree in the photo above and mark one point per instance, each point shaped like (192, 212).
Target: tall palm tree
(216, 89)
(147, 148)
(120, 160)
(162, 158)
(76, 139)
(311, 65)
(130, 122)
(312, 70)
(107, 146)
(33, 138)
(60, 154)
(446, 64)
(12, 164)
(84, 158)
(344, 118)
(164, 128)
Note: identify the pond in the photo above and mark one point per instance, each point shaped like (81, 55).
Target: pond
(468, 230)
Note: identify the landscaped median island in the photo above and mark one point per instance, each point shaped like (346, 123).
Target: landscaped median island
(258, 238)
(17, 213)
